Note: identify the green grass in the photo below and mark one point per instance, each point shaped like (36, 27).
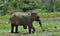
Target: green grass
(38, 32)
(4, 26)
(4, 18)
(49, 15)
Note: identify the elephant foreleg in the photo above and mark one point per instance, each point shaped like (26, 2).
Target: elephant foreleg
(31, 28)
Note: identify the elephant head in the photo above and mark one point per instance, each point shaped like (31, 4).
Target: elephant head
(36, 17)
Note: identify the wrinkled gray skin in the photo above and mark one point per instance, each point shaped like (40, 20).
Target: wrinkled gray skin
(24, 19)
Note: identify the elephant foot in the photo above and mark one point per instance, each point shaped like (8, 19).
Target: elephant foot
(16, 32)
(12, 32)
(33, 31)
(29, 30)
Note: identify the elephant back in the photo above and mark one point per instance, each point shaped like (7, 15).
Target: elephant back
(21, 18)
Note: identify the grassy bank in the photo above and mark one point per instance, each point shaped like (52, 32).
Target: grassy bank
(49, 15)
(4, 18)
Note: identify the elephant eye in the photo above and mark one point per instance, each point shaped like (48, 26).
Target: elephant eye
(37, 16)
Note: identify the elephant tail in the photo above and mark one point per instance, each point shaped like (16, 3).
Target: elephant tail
(9, 20)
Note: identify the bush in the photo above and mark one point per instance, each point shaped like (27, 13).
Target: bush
(44, 7)
(58, 9)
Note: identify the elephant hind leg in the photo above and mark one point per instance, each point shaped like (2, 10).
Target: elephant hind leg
(12, 28)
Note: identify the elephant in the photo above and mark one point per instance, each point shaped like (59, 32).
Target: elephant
(24, 19)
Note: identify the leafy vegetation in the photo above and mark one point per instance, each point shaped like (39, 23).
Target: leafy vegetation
(10, 6)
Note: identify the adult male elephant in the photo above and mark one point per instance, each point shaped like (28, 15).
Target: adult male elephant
(24, 19)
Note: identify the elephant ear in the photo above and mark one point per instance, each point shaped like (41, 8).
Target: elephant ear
(33, 13)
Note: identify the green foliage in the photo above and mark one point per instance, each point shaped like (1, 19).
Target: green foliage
(17, 5)
(58, 9)
(57, 5)
(1, 1)
(44, 7)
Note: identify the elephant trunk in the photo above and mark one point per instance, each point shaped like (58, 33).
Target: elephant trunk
(41, 24)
